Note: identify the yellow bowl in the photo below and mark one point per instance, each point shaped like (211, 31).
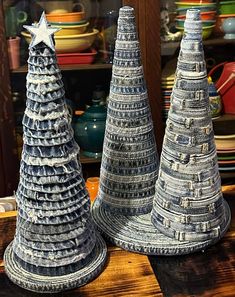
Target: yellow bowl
(71, 30)
(70, 43)
(206, 31)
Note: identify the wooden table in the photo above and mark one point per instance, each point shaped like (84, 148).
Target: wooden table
(208, 274)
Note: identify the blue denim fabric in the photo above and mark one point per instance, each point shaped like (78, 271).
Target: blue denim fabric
(49, 170)
(129, 163)
(45, 125)
(54, 234)
(188, 203)
(48, 97)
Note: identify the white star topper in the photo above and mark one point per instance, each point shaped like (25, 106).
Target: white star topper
(41, 32)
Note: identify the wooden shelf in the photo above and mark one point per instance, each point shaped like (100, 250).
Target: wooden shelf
(225, 124)
(169, 48)
(88, 160)
(72, 67)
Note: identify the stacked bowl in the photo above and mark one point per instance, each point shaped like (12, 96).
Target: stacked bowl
(167, 83)
(208, 14)
(74, 37)
(226, 9)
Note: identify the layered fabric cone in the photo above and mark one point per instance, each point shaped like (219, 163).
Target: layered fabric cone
(55, 247)
(130, 163)
(189, 210)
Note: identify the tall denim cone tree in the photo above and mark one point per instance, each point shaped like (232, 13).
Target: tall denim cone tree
(55, 246)
(130, 163)
(188, 207)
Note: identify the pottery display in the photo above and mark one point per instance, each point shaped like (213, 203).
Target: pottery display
(71, 43)
(89, 129)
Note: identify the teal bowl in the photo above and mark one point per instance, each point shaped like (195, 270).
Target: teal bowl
(227, 7)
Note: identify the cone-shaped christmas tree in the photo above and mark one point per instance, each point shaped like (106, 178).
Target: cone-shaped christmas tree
(129, 164)
(189, 206)
(55, 246)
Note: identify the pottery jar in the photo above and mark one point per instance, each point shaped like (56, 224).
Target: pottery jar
(89, 129)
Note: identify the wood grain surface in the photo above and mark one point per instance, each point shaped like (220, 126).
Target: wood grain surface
(206, 274)
(126, 275)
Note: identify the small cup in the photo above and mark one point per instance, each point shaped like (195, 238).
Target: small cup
(92, 185)
(14, 52)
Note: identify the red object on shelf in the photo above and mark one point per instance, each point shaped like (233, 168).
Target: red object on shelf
(226, 85)
(77, 58)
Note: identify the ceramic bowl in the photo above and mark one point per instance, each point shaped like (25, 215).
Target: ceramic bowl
(87, 57)
(68, 23)
(206, 31)
(227, 7)
(210, 6)
(71, 30)
(205, 23)
(206, 15)
(70, 17)
(183, 10)
(70, 43)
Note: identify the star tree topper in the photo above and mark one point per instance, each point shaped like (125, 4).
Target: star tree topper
(41, 32)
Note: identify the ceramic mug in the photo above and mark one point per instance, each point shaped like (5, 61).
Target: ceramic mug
(12, 20)
(14, 52)
(59, 7)
(92, 185)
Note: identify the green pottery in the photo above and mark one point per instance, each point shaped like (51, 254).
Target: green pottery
(89, 129)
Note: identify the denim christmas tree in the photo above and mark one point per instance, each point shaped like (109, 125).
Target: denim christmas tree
(188, 206)
(129, 164)
(55, 246)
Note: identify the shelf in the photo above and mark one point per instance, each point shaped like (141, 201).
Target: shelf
(95, 66)
(227, 176)
(88, 160)
(169, 48)
(225, 124)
